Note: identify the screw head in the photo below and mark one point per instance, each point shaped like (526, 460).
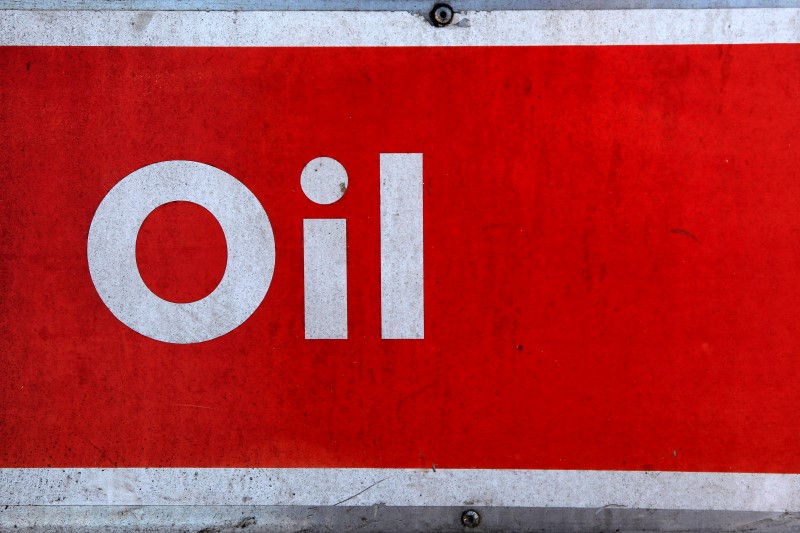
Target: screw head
(471, 518)
(442, 14)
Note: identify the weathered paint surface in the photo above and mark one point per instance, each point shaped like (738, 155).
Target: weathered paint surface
(571, 322)
(610, 264)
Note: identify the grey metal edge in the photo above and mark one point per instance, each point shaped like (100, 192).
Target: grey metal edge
(208, 519)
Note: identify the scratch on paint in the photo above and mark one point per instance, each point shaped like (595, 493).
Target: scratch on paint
(689, 234)
(198, 406)
(611, 506)
(362, 492)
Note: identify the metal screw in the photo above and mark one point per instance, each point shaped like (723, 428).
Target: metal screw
(442, 14)
(471, 518)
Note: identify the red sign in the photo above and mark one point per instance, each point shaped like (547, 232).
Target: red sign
(610, 248)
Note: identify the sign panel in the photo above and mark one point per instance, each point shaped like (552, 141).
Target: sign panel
(323, 258)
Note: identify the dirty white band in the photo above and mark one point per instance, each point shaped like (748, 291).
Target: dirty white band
(368, 486)
(381, 28)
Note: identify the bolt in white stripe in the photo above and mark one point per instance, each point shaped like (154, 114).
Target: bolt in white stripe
(402, 295)
(325, 273)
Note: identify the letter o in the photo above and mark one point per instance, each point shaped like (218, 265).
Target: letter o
(111, 250)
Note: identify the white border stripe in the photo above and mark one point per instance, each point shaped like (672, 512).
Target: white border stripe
(316, 28)
(402, 487)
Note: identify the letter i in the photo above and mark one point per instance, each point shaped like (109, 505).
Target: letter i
(324, 181)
